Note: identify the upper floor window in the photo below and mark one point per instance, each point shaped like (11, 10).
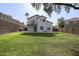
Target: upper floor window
(43, 20)
(41, 28)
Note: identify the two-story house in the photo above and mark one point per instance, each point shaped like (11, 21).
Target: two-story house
(38, 23)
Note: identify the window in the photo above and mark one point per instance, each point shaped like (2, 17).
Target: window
(43, 20)
(48, 28)
(33, 21)
(41, 27)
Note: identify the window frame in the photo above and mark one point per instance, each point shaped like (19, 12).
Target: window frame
(43, 20)
(41, 28)
(48, 28)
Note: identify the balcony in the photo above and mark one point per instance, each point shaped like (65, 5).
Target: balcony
(31, 24)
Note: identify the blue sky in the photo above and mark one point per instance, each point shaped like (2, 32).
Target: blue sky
(18, 10)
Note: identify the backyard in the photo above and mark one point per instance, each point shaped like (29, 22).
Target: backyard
(39, 44)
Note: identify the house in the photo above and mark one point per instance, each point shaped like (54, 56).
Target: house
(55, 28)
(38, 23)
(72, 25)
(22, 26)
(9, 24)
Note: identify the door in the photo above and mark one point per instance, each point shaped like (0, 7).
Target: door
(35, 29)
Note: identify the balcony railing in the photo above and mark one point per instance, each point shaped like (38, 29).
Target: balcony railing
(32, 24)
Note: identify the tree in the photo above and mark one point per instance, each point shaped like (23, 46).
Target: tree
(26, 14)
(61, 22)
(57, 7)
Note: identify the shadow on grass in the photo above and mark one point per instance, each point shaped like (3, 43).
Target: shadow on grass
(75, 50)
(39, 34)
(56, 32)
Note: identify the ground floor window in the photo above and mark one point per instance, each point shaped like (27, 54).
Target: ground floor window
(41, 28)
(48, 28)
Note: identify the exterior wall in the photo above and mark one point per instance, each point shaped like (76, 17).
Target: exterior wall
(49, 25)
(45, 24)
(6, 27)
(41, 23)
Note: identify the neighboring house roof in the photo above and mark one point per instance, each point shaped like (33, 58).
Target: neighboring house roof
(5, 15)
(49, 22)
(73, 19)
(11, 19)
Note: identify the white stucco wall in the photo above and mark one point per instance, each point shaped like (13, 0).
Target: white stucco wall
(41, 23)
(45, 24)
(48, 24)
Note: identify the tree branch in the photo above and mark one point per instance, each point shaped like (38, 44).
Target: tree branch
(67, 4)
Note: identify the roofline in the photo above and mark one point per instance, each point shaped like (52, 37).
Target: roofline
(12, 19)
(40, 16)
(71, 18)
(32, 16)
(49, 21)
(43, 16)
(6, 14)
(36, 15)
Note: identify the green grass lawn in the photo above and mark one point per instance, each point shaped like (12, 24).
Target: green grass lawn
(39, 44)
